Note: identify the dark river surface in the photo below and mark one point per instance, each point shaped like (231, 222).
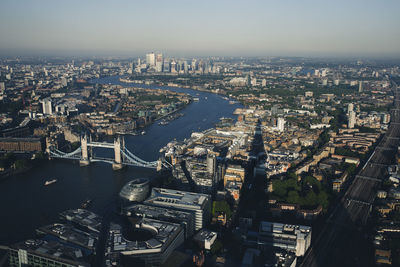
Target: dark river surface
(27, 204)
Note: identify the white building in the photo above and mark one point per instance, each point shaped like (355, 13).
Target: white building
(205, 238)
(351, 120)
(386, 118)
(281, 124)
(46, 106)
(159, 62)
(151, 59)
(350, 108)
(263, 82)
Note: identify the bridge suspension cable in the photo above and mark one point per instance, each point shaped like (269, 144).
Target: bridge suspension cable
(76, 154)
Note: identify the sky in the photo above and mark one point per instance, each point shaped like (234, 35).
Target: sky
(201, 28)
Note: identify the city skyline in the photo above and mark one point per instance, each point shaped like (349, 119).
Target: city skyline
(226, 28)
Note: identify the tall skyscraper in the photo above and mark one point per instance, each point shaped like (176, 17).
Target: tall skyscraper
(351, 119)
(281, 124)
(360, 88)
(211, 164)
(350, 108)
(173, 66)
(166, 67)
(159, 63)
(193, 65)
(151, 59)
(64, 82)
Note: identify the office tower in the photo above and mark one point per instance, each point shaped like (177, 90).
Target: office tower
(200, 204)
(281, 124)
(34, 252)
(184, 218)
(64, 81)
(194, 65)
(46, 107)
(173, 66)
(351, 119)
(2, 86)
(360, 89)
(211, 164)
(159, 62)
(350, 108)
(166, 67)
(151, 59)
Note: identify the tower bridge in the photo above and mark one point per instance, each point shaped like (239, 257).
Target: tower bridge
(122, 156)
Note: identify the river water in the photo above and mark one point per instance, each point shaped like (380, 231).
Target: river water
(27, 204)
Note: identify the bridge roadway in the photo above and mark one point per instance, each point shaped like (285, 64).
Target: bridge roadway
(341, 243)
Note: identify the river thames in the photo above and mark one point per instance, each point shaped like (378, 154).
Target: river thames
(27, 204)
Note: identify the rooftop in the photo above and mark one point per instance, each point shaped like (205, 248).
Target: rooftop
(54, 250)
(177, 198)
(283, 228)
(84, 218)
(71, 234)
(163, 234)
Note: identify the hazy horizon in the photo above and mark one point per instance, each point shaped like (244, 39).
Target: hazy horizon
(310, 28)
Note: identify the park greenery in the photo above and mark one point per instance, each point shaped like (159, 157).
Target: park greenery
(308, 192)
(11, 161)
(221, 206)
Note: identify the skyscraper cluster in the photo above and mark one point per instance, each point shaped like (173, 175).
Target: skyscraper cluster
(156, 62)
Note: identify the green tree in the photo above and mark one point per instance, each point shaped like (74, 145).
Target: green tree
(311, 181)
(323, 199)
(279, 188)
(293, 197)
(216, 247)
(310, 200)
(221, 206)
(20, 164)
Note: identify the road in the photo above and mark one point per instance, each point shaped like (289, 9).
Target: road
(341, 241)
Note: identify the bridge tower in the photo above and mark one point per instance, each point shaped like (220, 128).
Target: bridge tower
(85, 155)
(159, 165)
(117, 165)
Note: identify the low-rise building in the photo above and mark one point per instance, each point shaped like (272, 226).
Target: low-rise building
(205, 238)
(35, 252)
(295, 238)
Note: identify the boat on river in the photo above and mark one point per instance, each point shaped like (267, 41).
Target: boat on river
(49, 182)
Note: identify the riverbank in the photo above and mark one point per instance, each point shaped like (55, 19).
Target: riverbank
(195, 88)
(35, 205)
